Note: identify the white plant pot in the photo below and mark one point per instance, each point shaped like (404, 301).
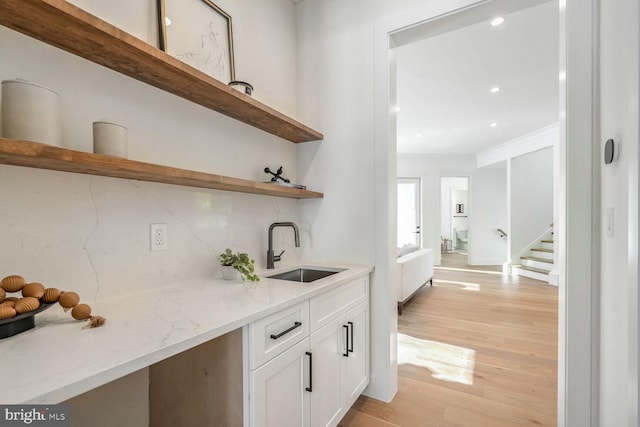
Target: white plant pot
(230, 273)
(110, 138)
(31, 112)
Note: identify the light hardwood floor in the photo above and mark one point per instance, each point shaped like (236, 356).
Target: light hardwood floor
(475, 349)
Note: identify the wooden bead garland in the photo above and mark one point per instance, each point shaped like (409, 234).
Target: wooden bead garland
(35, 294)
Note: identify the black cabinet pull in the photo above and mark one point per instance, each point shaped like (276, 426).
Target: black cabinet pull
(295, 325)
(351, 349)
(310, 388)
(346, 341)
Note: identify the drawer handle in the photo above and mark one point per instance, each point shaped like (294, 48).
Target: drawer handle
(346, 341)
(350, 350)
(295, 325)
(310, 388)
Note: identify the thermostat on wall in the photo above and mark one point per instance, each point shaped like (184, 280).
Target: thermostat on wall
(611, 151)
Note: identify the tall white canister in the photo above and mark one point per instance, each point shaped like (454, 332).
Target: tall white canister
(110, 138)
(31, 112)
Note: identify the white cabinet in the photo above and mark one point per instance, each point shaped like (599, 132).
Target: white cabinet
(278, 389)
(356, 366)
(312, 373)
(327, 347)
(340, 365)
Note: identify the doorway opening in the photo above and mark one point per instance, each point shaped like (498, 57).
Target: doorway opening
(454, 215)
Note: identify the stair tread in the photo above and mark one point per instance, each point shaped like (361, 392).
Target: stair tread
(533, 258)
(535, 270)
(542, 250)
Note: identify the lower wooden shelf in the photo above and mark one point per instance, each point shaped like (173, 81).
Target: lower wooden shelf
(42, 156)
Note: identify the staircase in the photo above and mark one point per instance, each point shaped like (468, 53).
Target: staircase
(538, 263)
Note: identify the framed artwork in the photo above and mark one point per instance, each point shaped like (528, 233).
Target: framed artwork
(198, 33)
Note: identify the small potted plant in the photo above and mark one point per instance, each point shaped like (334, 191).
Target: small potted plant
(237, 264)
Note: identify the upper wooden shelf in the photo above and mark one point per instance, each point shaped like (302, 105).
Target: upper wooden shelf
(70, 28)
(42, 156)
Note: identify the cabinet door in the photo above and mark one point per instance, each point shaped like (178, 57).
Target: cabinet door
(327, 345)
(356, 366)
(277, 393)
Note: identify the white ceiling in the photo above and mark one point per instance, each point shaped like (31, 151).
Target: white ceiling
(444, 82)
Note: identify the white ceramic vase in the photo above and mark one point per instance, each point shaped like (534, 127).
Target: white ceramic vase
(31, 112)
(230, 273)
(110, 138)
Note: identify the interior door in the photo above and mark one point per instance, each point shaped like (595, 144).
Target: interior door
(409, 231)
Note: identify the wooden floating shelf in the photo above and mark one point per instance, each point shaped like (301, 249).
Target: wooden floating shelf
(70, 28)
(42, 156)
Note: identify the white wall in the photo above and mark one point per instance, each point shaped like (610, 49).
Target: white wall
(619, 265)
(487, 203)
(336, 95)
(257, 58)
(531, 196)
(534, 141)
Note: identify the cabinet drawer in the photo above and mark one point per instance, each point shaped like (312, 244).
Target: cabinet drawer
(330, 305)
(270, 336)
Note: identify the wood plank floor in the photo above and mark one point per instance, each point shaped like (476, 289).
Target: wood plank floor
(475, 349)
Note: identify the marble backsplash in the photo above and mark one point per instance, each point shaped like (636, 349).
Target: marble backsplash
(90, 234)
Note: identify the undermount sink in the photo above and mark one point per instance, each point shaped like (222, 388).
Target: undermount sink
(304, 275)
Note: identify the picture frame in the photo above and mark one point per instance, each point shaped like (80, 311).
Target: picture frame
(198, 33)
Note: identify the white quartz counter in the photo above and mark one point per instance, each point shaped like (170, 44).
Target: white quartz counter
(58, 359)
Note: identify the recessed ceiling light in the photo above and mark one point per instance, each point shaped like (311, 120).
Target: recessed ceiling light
(494, 124)
(397, 108)
(497, 21)
(418, 135)
(495, 89)
(562, 76)
(167, 21)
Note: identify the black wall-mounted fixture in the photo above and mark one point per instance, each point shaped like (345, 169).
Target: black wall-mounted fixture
(277, 175)
(611, 152)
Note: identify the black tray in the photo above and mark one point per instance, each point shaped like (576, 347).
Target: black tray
(20, 323)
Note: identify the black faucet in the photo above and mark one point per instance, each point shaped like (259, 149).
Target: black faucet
(271, 258)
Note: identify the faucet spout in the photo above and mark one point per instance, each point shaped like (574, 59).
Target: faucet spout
(271, 257)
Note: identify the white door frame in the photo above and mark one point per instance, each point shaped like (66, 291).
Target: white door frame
(578, 398)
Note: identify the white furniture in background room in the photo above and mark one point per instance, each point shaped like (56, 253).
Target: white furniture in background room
(415, 269)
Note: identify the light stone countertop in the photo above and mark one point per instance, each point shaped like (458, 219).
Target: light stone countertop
(58, 359)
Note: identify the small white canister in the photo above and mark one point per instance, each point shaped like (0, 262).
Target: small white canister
(110, 138)
(31, 112)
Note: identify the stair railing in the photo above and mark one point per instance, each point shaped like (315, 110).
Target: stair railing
(502, 233)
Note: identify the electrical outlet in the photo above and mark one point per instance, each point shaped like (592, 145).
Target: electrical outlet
(158, 237)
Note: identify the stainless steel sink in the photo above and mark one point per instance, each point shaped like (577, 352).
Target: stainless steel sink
(304, 275)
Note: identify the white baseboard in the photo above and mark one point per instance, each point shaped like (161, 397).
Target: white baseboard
(554, 277)
(488, 261)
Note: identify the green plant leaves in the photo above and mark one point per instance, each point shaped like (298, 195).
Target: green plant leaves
(241, 262)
